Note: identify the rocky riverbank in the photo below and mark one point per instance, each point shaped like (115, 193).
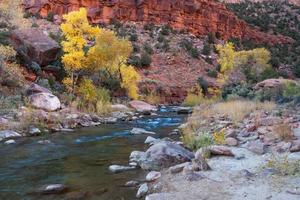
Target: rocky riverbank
(256, 153)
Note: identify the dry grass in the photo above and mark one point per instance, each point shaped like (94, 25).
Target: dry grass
(237, 110)
(152, 98)
(283, 131)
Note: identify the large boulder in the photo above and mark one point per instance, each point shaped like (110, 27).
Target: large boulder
(161, 155)
(34, 46)
(5, 134)
(45, 101)
(272, 84)
(142, 106)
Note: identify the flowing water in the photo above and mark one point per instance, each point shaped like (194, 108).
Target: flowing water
(79, 160)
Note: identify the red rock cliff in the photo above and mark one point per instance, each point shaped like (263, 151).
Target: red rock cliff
(197, 16)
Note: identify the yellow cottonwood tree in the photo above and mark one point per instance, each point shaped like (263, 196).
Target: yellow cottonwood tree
(226, 56)
(129, 80)
(256, 59)
(110, 53)
(76, 31)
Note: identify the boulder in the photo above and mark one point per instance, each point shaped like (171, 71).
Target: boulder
(272, 83)
(131, 184)
(54, 189)
(184, 110)
(119, 168)
(34, 46)
(142, 106)
(231, 141)
(153, 176)
(5, 134)
(150, 140)
(119, 107)
(139, 131)
(35, 88)
(45, 101)
(34, 131)
(143, 189)
(10, 142)
(256, 147)
(295, 146)
(178, 168)
(161, 155)
(220, 151)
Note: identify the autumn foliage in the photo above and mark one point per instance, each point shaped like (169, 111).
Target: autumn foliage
(87, 50)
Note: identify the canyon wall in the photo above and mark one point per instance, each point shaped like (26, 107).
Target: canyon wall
(199, 17)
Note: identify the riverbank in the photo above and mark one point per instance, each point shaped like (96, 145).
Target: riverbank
(79, 160)
(233, 159)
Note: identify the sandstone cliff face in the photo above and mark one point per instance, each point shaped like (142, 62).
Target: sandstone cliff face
(197, 16)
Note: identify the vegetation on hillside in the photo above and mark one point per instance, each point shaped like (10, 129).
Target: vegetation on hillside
(277, 17)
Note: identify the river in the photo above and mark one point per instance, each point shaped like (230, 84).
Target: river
(80, 160)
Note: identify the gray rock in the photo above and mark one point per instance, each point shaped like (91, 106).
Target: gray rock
(184, 110)
(231, 141)
(256, 147)
(111, 120)
(220, 151)
(44, 142)
(139, 131)
(142, 106)
(119, 107)
(200, 164)
(119, 168)
(153, 176)
(10, 142)
(5, 134)
(143, 189)
(35, 88)
(45, 101)
(295, 146)
(161, 155)
(132, 184)
(161, 196)
(164, 154)
(34, 131)
(194, 176)
(150, 140)
(178, 168)
(54, 189)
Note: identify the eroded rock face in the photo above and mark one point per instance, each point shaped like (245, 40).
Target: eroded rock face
(34, 46)
(200, 17)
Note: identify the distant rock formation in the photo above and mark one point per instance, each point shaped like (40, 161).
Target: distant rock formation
(199, 17)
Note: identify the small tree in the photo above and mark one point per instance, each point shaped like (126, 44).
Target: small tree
(76, 31)
(111, 53)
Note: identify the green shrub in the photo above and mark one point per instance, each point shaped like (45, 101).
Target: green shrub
(206, 49)
(136, 48)
(212, 73)
(35, 25)
(133, 37)
(148, 48)
(149, 27)
(296, 69)
(291, 90)
(269, 73)
(135, 61)
(146, 59)
(196, 142)
(161, 38)
(50, 16)
(203, 84)
(165, 30)
(194, 52)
